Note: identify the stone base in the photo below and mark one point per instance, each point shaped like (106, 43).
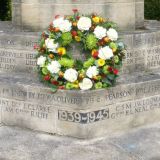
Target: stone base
(133, 102)
(26, 103)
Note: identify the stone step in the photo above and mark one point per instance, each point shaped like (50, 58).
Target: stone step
(27, 103)
(17, 54)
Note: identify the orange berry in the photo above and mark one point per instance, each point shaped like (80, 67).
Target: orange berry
(74, 24)
(106, 39)
(51, 56)
(61, 74)
(56, 29)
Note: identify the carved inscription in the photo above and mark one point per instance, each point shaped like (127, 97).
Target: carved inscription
(141, 59)
(136, 107)
(18, 42)
(83, 118)
(106, 97)
(17, 60)
(26, 109)
(114, 112)
(153, 57)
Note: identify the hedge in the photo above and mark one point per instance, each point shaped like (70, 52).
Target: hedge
(5, 10)
(152, 9)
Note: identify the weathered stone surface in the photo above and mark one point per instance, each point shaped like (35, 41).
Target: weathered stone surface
(24, 11)
(139, 11)
(143, 48)
(28, 115)
(17, 61)
(142, 143)
(76, 113)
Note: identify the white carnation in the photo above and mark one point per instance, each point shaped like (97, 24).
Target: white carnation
(41, 61)
(65, 26)
(86, 84)
(112, 34)
(84, 24)
(51, 45)
(54, 67)
(92, 71)
(57, 22)
(105, 53)
(71, 75)
(100, 32)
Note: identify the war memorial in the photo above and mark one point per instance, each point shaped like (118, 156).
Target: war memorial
(26, 102)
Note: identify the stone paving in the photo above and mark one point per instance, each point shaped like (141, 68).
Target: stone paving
(137, 144)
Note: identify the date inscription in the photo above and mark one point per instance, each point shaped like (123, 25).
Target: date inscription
(83, 118)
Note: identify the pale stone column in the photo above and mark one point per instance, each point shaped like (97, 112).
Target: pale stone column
(139, 10)
(37, 14)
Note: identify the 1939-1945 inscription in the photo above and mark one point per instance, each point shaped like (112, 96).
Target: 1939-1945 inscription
(83, 118)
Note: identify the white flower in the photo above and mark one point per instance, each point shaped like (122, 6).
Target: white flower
(112, 34)
(84, 24)
(41, 61)
(65, 26)
(86, 84)
(54, 67)
(92, 71)
(105, 53)
(57, 22)
(51, 45)
(100, 32)
(71, 75)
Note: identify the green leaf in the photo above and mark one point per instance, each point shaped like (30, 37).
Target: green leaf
(42, 42)
(53, 88)
(79, 64)
(111, 77)
(45, 71)
(108, 82)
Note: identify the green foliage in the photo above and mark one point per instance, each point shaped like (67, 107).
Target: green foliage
(5, 10)
(89, 62)
(91, 41)
(66, 38)
(65, 62)
(152, 9)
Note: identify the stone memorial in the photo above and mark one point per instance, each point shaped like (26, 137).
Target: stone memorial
(25, 102)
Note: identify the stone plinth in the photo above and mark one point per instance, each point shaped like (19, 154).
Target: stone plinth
(26, 103)
(37, 14)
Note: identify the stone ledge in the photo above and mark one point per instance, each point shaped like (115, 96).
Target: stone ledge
(143, 48)
(29, 104)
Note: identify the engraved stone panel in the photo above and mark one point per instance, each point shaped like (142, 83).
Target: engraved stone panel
(153, 57)
(138, 87)
(17, 61)
(21, 41)
(28, 115)
(108, 119)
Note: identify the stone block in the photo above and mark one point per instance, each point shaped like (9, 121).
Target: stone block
(28, 115)
(108, 119)
(82, 114)
(36, 15)
(17, 54)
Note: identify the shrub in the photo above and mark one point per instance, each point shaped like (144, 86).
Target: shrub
(152, 9)
(5, 10)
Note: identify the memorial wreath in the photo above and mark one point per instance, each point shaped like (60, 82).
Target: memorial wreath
(98, 40)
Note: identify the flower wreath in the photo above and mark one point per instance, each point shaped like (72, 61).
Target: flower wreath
(96, 36)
